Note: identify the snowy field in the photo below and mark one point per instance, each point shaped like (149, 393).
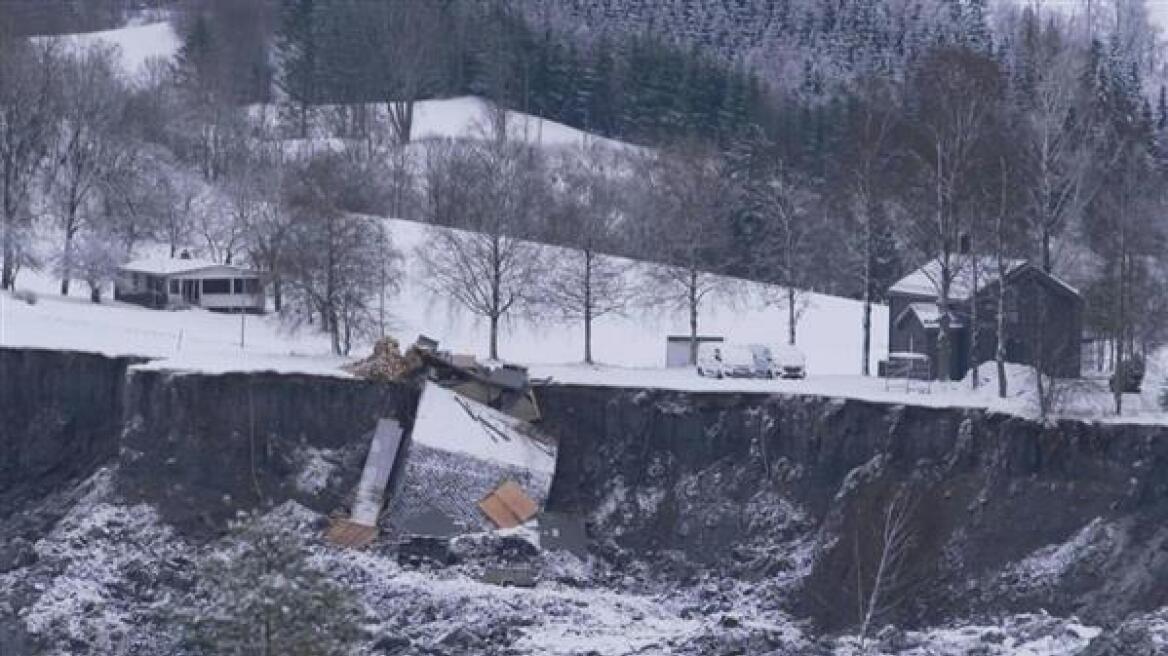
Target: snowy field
(137, 44)
(629, 349)
(829, 329)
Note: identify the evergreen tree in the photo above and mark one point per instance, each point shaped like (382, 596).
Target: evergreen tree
(297, 55)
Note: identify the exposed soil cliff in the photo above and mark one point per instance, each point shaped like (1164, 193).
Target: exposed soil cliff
(724, 478)
(60, 415)
(202, 447)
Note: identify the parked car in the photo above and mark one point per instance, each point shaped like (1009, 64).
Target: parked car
(719, 360)
(788, 362)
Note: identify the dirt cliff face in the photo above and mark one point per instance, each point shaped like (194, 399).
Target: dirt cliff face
(202, 447)
(60, 415)
(1005, 514)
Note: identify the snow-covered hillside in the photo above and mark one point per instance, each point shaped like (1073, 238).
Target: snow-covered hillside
(463, 117)
(829, 330)
(137, 44)
(629, 349)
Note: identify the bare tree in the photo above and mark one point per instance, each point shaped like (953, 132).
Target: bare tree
(489, 270)
(586, 284)
(955, 92)
(406, 36)
(881, 591)
(29, 93)
(688, 197)
(334, 261)
(90, 147)
(872, 131)
(96, 260)
(786, 204)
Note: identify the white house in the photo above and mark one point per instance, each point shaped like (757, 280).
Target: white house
(184, 281)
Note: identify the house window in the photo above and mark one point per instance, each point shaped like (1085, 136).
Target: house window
(237, 286)
(217, 286)
(173, 286)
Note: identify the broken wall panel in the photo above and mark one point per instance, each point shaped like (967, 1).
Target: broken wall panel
(460, 452)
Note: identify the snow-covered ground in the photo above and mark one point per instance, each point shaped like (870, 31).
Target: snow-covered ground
(137, 44)
(195, 339)
(188, 339)
(630, 349)
(829, 331)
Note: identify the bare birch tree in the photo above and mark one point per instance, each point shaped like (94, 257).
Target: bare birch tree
(955, 93)
(688, 199)
(883, 590)
(489, 270)
(586, 284)
(786, 205)
(874, 123)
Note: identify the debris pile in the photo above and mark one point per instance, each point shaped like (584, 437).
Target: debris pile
(473, 461)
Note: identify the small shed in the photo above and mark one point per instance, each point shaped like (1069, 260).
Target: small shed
(187, 281)
(677, 349)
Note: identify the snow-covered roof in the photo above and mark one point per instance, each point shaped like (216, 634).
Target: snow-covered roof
(930, 315)
(165, 266)
(926, 281)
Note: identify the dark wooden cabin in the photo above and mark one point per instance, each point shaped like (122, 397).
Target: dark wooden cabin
(1044, 316)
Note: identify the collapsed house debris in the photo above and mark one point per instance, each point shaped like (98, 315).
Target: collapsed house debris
(505, 387)
(472, 462)
(507, 506)
(460, 453)
(360, 528)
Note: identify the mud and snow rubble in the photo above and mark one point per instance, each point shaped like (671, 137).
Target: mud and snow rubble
(99, 581)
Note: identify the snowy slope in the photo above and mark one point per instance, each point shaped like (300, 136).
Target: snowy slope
(829, 331)
(469, 116)
(629, 349)
(137, 44)
(463, 117)
(189, 339)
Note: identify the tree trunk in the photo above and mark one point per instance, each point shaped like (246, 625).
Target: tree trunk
(1000, 253)
(401, 119)
(8, 271)
(866, 350)
(588, 307)
(866, 322)
(693, 316)
(974, 329)
(494, 355)
(790, 315)
(67, 259)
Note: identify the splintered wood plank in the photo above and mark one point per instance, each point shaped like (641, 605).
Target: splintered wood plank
(346, 533)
